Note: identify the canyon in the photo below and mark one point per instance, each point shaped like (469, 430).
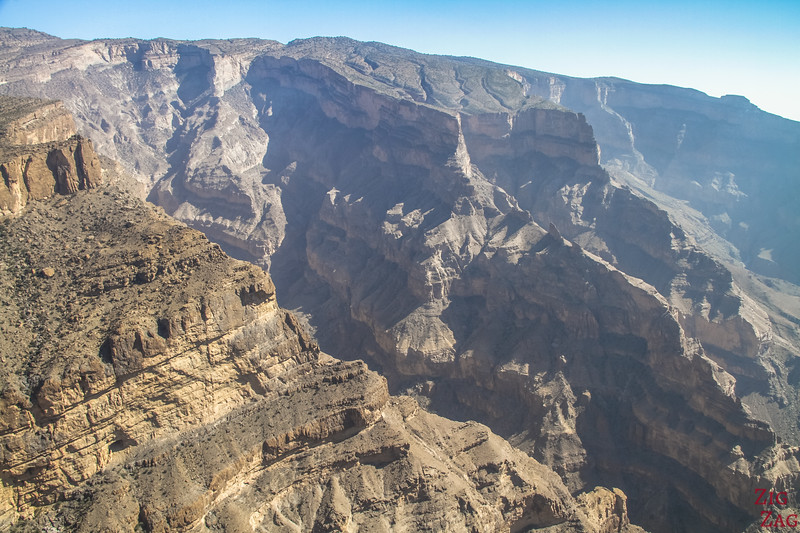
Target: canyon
(447, 220)
(150, 382)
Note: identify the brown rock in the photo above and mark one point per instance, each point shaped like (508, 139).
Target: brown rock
(88, 165)
(28, 121)
(64, 171)
(40, 159)
(418, 189)
(194, 401)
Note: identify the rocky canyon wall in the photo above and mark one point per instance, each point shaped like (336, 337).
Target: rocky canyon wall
(449, 220)
(723, 157)
(42, 154)
(150, 382)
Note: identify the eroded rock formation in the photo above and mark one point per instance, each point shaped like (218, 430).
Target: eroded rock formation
(400, 202)
(149, 382)
(42, 154)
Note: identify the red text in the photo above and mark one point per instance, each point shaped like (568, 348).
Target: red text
(773, 498)
(773, 519)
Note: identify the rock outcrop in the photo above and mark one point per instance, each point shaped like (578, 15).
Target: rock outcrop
(400, 202)
(149, 382)
(257, 469)
(41, 153)
(32, 121)
(730, 166)
(133, 336)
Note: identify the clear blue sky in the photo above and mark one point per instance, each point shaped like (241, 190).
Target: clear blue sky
(751, 48)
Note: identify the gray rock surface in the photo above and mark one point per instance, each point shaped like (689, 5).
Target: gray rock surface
(400, 202)
(150, 382)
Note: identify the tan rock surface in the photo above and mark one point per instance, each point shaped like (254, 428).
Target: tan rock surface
(115, 348)
(407, 471)
(40, 153)
(33, 121)
(150, 381)
(400, 201)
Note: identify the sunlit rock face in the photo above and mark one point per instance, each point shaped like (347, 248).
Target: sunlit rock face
(447, 218)
(154, 383)
(41, 154)
(150, 382)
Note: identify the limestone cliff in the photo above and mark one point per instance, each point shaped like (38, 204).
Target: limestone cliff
(149, 382)
(32, 121)
(112, 341)
(731, 166)
(400, 202)
(41, 153)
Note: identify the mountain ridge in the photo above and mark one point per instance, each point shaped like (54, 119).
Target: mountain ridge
(149, 382)
(395, 211)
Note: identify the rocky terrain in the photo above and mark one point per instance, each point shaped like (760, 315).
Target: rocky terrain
(42, 154)
(730, 166)
(149, 382)
(449, 219)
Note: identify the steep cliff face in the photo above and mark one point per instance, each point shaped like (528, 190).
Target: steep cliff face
(32, 121)
(637, 237)
(120, 339)
(41, 153)
(401, 202)
(152, 382)
(409, 470)
(149, 382)
(721, 156)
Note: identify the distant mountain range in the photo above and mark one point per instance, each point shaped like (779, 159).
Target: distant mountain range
(602, 272)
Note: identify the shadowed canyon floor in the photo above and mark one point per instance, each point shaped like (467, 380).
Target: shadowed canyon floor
(151, 383)
(448, 219)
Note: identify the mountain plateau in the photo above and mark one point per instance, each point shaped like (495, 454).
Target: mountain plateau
(449, 220)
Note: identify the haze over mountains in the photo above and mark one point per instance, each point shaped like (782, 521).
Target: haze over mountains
(579, 264)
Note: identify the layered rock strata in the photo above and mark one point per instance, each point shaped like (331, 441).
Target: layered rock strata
(152, 382)
(111, 341)
(41, 153)
(400, 201)
(731, 166)
(258, 469)
(149, 382)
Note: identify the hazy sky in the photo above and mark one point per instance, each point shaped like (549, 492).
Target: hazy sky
(751, 48)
